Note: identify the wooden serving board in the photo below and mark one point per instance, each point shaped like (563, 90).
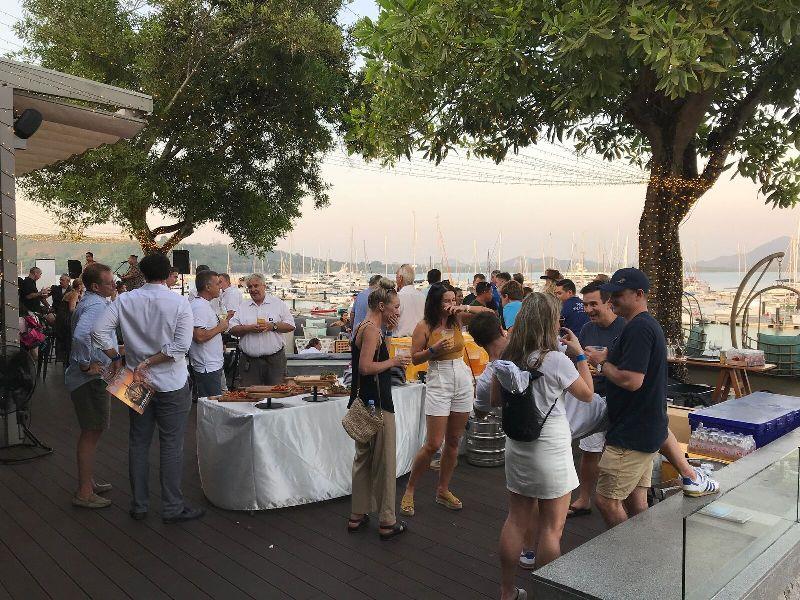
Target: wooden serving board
(312, 380)
(223, 398)
(256, 396)
(260, 392)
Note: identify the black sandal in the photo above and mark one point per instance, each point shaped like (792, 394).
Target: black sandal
(396, 529)
(359, 523)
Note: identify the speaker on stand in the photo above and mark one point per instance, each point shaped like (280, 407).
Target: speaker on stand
(180, 260)
(74, 269)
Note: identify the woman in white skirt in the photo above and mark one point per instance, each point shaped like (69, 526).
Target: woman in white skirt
(542, 470)
(449, 390)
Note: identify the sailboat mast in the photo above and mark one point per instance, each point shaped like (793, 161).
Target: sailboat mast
(499, 248)
(414, 239)
(385, 256)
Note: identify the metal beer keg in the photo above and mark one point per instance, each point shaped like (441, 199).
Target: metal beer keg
(486, 442)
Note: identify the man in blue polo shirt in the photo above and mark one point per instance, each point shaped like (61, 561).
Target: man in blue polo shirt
(359, 311)
(573, 315)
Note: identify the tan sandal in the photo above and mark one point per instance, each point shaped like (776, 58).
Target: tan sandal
(407, 505)
(448, 500)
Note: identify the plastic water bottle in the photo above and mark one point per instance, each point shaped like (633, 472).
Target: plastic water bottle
(371, 407)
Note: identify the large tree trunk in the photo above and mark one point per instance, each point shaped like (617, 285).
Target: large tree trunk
(148, 238)
(667, 202)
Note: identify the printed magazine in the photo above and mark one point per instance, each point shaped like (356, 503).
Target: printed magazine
(135, 395)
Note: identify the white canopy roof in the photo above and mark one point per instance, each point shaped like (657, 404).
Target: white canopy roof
(69, 129)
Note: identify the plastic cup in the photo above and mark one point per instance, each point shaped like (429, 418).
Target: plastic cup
(261, 321)
(447, 334)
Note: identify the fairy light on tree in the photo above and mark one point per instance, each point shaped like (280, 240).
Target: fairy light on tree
(685, 92)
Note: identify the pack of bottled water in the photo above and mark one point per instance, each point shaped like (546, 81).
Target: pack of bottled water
(717, 443)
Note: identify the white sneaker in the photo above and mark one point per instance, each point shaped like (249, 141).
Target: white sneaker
(527, 559)
(702, 485)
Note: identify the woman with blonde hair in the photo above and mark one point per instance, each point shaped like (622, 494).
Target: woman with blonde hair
(539, 468)
(374, 469)
(449, 391)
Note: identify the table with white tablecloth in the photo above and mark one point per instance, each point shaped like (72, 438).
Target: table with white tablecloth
(254, 459)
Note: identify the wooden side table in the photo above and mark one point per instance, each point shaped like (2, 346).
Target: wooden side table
(731, 376)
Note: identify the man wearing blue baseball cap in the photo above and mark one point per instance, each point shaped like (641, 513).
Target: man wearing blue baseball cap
(636, 388)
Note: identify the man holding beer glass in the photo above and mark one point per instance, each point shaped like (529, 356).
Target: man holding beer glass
(260, 324)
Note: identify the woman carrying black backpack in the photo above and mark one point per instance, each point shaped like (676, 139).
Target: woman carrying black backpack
(529, 383)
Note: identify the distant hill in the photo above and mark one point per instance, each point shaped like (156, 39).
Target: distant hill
(731, 261)
(112, 253)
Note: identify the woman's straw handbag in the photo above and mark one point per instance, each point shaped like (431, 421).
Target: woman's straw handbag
(360, 424)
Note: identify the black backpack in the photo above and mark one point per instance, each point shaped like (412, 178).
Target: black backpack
(521, 419)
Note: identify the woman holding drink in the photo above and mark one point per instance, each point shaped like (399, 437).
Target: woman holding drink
(437, 340)
(374, 469)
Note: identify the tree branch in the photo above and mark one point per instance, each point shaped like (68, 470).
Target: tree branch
(182, 233)
(720, 140)
(688, 119)
(190, 72)
(169, 228)
(638, 113)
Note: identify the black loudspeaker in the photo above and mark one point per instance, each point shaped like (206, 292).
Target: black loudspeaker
(27, 124)
(74, 268)
(180, 260)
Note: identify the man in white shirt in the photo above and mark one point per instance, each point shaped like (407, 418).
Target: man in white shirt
(412, 302)
(231, 296)
(157, 328)
(206, 351)
(260, 324)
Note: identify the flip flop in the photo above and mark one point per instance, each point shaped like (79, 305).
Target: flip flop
(398, 528)
(362, 522)
(578, 512)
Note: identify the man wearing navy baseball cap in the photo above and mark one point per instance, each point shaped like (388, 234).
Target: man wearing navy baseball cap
(636, 388)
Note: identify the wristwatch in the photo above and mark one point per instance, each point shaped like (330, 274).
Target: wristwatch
(600, 367)
(116, 358)
(274, 327)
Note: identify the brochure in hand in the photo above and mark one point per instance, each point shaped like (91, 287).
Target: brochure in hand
(137, 395)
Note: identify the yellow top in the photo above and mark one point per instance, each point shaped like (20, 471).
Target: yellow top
(458, 344)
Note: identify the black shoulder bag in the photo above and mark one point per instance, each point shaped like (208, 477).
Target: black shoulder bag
(521, 420)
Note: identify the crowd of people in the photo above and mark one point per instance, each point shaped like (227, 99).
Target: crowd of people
(167, 340)
(563, 367)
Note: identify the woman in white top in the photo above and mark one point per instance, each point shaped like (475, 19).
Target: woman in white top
(542, 470)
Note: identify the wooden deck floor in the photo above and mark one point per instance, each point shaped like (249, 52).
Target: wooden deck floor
(49, 549)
